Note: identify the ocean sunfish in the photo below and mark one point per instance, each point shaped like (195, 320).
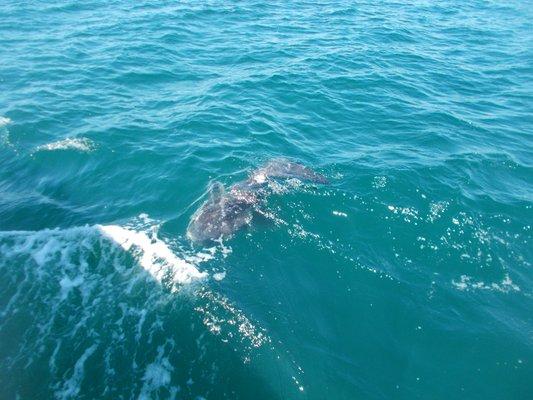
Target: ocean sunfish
(228, 210)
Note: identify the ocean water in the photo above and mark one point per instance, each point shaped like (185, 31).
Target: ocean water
(407, 276)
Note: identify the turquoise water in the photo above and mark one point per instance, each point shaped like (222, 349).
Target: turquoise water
(407, 276)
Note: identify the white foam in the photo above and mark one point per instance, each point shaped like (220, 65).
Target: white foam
(339, 213)
(219, 276)
(72, 386)
(80, 144)
(259, 177)
(225, 250)
(467, 283)
(68, 284)
(4, 121)
(155, 256)
(157, 375)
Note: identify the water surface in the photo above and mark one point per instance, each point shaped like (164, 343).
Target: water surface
(407, 276)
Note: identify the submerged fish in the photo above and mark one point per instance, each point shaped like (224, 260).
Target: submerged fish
(228, 210)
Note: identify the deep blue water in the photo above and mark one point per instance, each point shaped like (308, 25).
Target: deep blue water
(407, 276)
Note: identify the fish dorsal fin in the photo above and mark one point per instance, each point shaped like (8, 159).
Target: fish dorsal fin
(216, 192)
